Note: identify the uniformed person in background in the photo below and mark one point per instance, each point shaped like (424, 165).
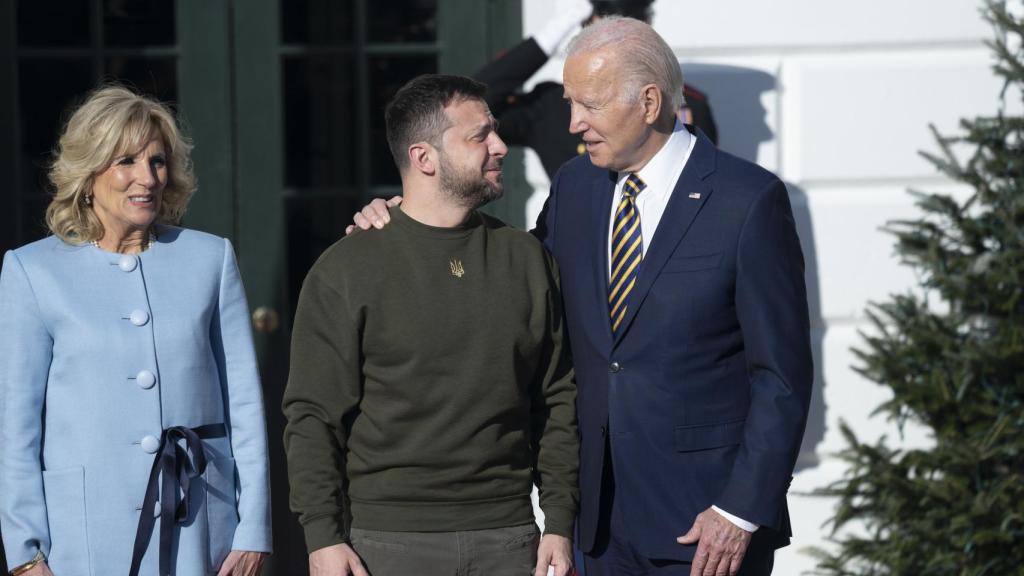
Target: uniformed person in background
(539, 119)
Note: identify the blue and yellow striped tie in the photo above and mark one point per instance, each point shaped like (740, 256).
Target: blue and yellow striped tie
(627, 250)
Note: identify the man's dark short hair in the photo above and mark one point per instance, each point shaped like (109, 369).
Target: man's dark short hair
(416, 113)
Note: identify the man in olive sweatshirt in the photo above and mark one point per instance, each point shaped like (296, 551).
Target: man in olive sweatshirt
(430, 383)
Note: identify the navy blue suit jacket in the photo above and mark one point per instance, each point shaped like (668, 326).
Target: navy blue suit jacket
(703, 395)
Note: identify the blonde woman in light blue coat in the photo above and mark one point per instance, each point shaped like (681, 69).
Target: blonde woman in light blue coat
(132, 435)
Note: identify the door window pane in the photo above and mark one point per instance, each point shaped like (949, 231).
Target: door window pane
(138, 22)
(313, 224)
(319, 22)
(157, 77)
(387, 75)
(33, 218)
(47, 90)
(318, 121)
(53, 23)
(416, 21)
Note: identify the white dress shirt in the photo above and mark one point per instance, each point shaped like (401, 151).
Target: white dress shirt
(660, 175)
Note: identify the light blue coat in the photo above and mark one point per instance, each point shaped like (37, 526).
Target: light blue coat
(98, 354)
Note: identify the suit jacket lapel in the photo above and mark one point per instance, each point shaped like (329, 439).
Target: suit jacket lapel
(691, 192)
(604, 185)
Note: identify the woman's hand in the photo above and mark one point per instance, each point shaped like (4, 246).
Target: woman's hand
(241, 563)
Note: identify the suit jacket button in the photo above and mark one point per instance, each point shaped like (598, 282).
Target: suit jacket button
(150, 444)
(139, 317)
(145, 379)
(127, 263)
(604, 431)
(614, 367)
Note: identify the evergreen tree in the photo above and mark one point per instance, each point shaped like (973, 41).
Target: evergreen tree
(952, 353)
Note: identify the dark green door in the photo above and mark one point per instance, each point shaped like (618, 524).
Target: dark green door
(311, 81)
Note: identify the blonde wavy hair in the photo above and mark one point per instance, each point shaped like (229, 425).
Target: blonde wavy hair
(111, 122)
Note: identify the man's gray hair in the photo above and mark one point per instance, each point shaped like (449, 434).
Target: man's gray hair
(644, 55)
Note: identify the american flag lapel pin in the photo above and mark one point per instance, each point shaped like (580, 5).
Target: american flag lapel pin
(695, 195)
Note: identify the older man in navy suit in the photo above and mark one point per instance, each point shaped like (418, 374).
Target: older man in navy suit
(684, 294)
(687, 312)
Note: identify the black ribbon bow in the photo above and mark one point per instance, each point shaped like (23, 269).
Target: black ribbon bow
(174, 468)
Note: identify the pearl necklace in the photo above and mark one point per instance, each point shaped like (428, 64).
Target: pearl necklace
(145, 246)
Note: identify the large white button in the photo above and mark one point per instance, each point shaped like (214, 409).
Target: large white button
(139, 317)
(127, 263)
(150, 444)
(156, 509)
(145, 379)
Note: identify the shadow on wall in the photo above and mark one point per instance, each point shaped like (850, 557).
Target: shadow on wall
(735, 95)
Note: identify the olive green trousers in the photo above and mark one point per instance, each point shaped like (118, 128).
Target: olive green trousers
(508, 551)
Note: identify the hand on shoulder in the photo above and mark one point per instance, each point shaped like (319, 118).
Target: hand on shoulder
(375, 214)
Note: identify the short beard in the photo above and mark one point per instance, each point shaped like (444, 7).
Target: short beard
(465, 188)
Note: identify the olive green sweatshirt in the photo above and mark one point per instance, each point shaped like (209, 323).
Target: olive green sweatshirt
(430, 384)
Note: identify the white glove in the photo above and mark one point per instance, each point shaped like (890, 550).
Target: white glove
(569, 16)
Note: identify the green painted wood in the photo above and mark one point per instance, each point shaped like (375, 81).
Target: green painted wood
(462, 34)
(205, 103)
(468, 37)
(471, 33)
(504, 25)
(261, 239)
(258, 151)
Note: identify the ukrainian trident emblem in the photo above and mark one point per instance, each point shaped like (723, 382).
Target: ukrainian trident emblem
(456, 268)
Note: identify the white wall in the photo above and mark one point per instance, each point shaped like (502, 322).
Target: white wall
(836, 98)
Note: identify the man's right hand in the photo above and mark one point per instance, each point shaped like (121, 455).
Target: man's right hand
(373, 214)
(337, 560)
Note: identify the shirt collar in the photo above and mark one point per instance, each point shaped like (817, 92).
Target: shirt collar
(658, 172)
